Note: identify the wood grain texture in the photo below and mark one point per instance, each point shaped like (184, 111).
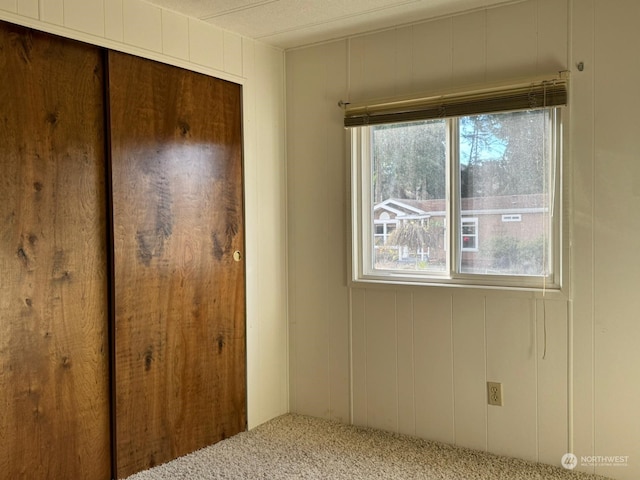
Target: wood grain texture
(54, 385)
(179, 296)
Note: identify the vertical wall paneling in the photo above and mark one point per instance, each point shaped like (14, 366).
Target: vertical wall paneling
(232, 52)
(52, 11)
(359, 397)
(113, 20)
(582, 255)
(310, 235)
(552, 37)
(206, 44)
(617, 184)
(405, 329)
(142, 25)
(406, 342)
(254, 404)
(272, 267)
(433, 364)
(432, 55)
(551, 321)
(86, 16)
(512, 40)
(337, 201)
(373, 66)
(382, 359)
(9, 5)
(175, 35)
(469, 48)
(511, 360)
(179, 296)
(405, 80)
(291, 246)
(29, 8)
(271, 230)
(469, 371)
(267, 334)
(54, 385)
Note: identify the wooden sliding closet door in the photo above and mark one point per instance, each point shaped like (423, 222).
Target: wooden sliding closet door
(180, 378)
(54, 382)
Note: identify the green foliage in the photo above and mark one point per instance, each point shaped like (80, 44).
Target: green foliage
(387, 254)
(503, 154)
(417, 234)
(500, 154)
(409, 160)
(518, 257)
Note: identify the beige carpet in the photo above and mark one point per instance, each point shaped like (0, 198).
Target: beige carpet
(300, 447)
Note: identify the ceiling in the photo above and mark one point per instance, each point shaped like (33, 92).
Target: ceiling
(293, 23)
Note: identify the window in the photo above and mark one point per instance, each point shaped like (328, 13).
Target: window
(383, 229)
(470, 172)
(469, 235)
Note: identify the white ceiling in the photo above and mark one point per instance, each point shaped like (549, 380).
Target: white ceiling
(292, 23)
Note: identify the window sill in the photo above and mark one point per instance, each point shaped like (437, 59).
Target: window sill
(495, 285)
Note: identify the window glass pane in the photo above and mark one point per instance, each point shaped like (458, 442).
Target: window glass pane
(408, 172)
(504, 173)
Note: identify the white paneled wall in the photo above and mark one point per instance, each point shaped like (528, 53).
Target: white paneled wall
(616, 232)
(84, 16)
(433, 363)
(552, 393)
(175, 35)
(53, 12)
(419, 358)
(583, 188)
(143, 29)
(317, 206)
(510, 332)
(266, 242)
(142, 26)
(114, 26)
(469, 381)
(28, 8)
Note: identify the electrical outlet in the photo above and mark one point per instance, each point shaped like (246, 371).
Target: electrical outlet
(494, 393)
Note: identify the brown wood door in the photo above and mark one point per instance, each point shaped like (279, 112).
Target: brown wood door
(180, 379)
(54, 373)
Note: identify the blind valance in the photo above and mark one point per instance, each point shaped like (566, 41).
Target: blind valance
(527, 95)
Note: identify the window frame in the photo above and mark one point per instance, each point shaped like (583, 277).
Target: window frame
(359, 145)
(475, 235)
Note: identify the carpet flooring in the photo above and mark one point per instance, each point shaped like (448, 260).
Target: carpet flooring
(301, 447)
